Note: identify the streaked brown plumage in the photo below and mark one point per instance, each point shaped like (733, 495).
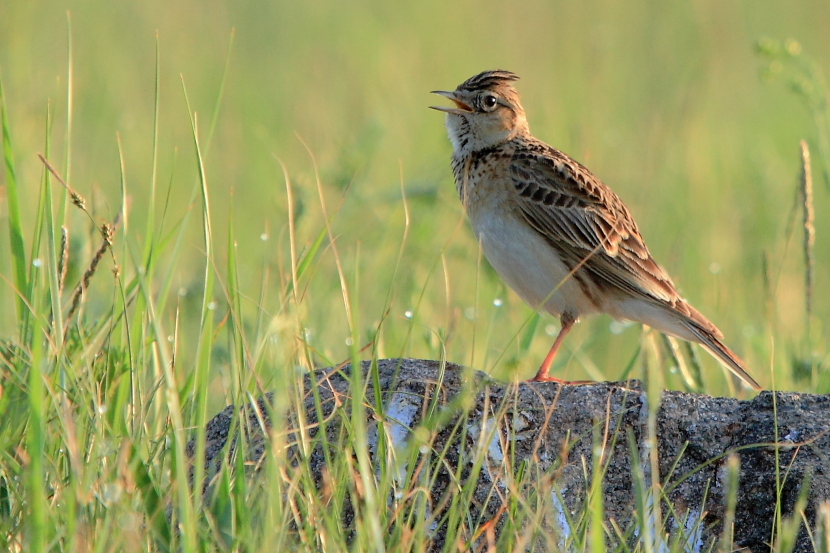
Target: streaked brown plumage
(556, 234)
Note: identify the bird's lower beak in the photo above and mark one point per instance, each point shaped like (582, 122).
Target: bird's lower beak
(460, 109)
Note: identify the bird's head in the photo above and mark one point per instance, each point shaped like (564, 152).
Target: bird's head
(487, 112)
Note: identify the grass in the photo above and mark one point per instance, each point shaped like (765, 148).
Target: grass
(180, 267)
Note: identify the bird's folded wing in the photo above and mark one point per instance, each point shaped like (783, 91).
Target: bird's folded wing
(588, 224)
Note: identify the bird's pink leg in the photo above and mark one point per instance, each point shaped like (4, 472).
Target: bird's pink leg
(542, 376)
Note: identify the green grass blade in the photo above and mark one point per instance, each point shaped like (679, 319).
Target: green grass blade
(235, 328)
(308, 256)
(221, 92)
(152, 502)
(596, 532)
(67, 163)
(527, 334)
(15, 228)
(51, 260)
(203, 349)
(151, 201)
(733, 473)
(35, 442)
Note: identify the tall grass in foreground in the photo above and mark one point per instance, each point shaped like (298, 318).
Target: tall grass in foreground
(98, 411)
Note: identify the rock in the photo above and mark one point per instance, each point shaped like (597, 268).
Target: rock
(539, 439)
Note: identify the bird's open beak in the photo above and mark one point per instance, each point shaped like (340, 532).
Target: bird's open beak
(460, 109)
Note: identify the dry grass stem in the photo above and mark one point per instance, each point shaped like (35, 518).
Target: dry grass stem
(107, 233)
(63, 261)
(77, 200)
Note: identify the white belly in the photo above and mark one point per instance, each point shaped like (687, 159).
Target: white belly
(529, 265)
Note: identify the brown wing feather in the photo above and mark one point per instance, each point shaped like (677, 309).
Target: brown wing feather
(583, 218)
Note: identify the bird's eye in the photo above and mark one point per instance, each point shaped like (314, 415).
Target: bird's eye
(490, 101)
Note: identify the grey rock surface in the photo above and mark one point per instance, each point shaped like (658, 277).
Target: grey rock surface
(555, 431)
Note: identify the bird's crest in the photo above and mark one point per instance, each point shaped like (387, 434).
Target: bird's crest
(488, 79)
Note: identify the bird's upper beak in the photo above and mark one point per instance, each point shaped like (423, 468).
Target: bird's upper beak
(460, 109)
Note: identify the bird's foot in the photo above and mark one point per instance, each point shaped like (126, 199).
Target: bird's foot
(546, 378)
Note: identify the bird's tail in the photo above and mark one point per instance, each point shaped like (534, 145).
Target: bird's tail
(719, 351)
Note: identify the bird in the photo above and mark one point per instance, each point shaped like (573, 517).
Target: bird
(558, 236)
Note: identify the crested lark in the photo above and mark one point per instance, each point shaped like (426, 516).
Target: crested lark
(556, 234)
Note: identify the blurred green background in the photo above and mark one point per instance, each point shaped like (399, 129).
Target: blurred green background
(662, 100)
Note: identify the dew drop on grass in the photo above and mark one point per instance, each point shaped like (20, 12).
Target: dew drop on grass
(349, 341)
(212, 305)
(37, 262)
(498, 302)
(263, 237)
(550, 330)
(170, 338)
(407, 314)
